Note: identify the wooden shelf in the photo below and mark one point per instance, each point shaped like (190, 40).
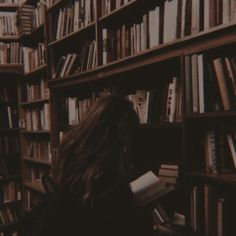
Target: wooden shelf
(10, 203)
(10, 178)
(58, 4)
(218, 178)
(11, 69)
(35, 102)
(212, 115)
(37, 71)
(35, 131)
(7, 39)
(161, 126)
(9, 130)
(73, 35)
(121, 10)
(215, 37)
(33, 160)
(8, 6)
(35, 186)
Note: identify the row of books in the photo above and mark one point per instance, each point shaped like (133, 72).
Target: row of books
(211, 213)
(157, 106)
(108, 6)
(38, 118)
(9, 145)
(75, 15)
(73, 63)
(9, 1)
(10, 53)
(169, 173)
(35, 173)
(159, 26)
(10, 192)
(210, 83)
(32, 199)
(30, 18)
(34, 57)
(8, 24)
(8, 117)
(220, 149)
(9, 215)
(39, 149)
(74, 109)
(36, 90)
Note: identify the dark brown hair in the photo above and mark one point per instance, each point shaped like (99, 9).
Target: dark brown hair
(97, 150)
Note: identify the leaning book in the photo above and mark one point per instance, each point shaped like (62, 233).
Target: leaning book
(148, 188)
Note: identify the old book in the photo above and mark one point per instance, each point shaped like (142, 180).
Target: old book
(201, 84)
(148, 188)
(221, 80)
(195, 97)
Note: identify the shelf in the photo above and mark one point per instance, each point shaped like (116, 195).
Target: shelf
(36, 36)
(9, 130)
(35, 131)
(35, 186)
(211, 115)
(161, 126)
(58, 4)
(8, 6)
(218, 178)
(8, 39)
(10, 178)
(10, 203)
(33, 160)
(73, 35)
(35, 102)
(215, 37)
(120, 10)
(11, 69)
(37, 71)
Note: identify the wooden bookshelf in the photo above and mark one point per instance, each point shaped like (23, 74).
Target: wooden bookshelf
(8, 6)
(151, 68)
(33, 160)
(217, 178)
(72, 36)
(36, 186)
(39, 70)
(11, 69)
(34, 101)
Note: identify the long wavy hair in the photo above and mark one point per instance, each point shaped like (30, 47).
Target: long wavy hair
(96, 154)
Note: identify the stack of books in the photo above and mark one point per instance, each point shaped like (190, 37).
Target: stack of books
(169, 173)
(25, 19)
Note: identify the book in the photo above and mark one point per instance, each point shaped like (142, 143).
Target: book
(148, 188)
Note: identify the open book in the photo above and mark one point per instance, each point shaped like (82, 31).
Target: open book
(148, 188)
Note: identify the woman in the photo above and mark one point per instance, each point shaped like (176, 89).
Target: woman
(92, 175)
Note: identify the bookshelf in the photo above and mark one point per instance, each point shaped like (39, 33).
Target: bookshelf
(10, 180)
(138, 47)
(34, 102)
(10, 71)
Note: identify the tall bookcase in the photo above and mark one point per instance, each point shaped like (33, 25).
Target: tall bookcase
(10, 74)
(34, 102)
(127, 47)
